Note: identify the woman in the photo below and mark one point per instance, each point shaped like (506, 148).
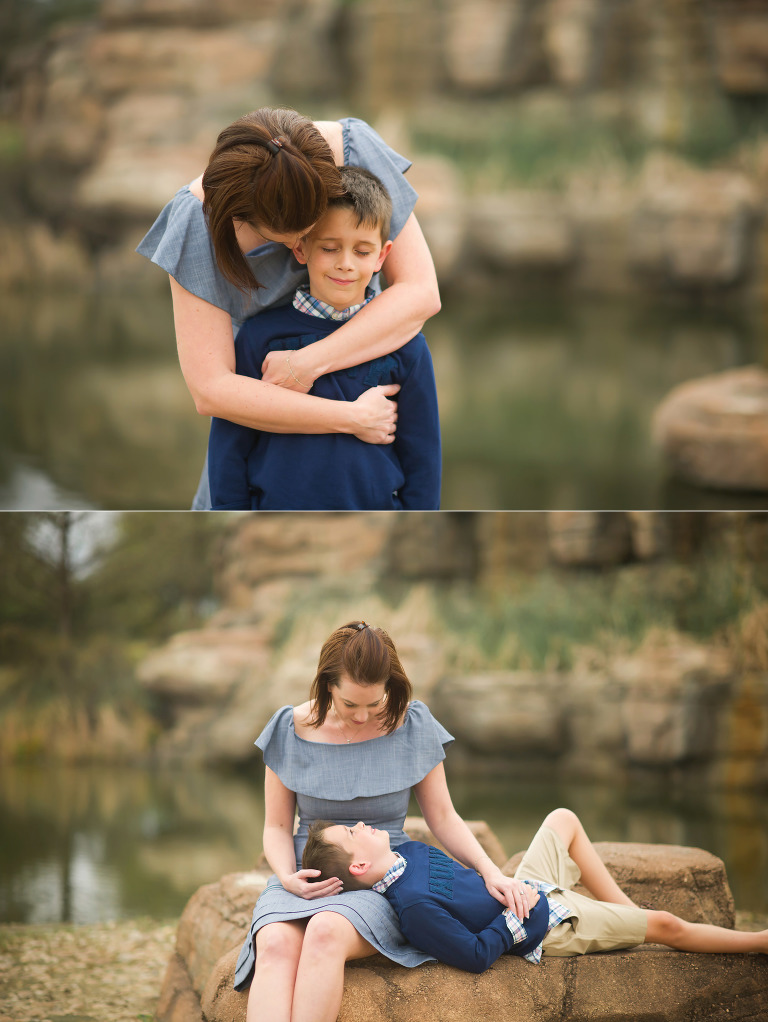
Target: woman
(355, 750)
(226, 240)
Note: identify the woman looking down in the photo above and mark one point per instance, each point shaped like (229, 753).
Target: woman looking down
(355, 750)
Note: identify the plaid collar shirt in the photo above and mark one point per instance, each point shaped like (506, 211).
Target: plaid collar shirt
(304, 302)
(395, 870)
(557, 914)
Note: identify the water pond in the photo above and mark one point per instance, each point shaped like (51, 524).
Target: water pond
(545, 402)
(87, 844)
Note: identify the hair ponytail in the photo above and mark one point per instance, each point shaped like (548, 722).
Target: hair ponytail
(273, 169)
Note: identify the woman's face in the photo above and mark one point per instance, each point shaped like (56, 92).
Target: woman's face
(356, 704)
(290, 240)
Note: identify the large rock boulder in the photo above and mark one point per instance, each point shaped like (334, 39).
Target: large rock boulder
(643, 984)
(714, 430)
(693, 228)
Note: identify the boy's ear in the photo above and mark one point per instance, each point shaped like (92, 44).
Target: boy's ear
(385, 250)
(359, 869)
(298, 251)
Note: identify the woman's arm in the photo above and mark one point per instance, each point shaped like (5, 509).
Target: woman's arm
(382, 326)
(452, 832)
(279, 808)
(207, 358)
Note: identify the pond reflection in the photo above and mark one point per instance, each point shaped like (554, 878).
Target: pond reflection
(545, 402)
(90, 844)
(94, 844)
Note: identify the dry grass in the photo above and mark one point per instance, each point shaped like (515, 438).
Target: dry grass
(107, 972)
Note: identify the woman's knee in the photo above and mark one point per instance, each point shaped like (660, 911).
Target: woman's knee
(279, 942)
(330, 935)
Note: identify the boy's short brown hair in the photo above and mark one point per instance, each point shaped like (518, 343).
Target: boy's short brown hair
(367, 197)
(331, 860)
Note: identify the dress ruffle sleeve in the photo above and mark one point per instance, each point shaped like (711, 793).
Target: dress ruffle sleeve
(363, 769)
(179, 242)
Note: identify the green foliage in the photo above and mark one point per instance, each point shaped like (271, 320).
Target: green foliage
(78, 601)
(542, 140)
(541, 622)
(158, 577)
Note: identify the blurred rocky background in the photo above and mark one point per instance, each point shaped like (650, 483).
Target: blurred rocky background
(606, 145)
(599, 645)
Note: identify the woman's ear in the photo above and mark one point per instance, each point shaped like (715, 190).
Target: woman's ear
(385, 250)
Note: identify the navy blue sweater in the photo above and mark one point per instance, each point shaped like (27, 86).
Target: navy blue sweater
(253, 470)
(445, 909)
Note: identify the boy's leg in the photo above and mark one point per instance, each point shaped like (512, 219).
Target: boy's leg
(665, 928)
(594, 874)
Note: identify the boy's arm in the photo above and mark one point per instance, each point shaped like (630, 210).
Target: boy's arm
(431, 928)
(230, 444)
(417, 441)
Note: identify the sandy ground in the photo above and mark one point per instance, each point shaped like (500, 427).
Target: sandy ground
(109, 972)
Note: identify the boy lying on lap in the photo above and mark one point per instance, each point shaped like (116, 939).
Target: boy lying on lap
(446, 911)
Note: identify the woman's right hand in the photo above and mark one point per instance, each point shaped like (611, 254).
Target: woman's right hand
(374, 415)
(298, 883)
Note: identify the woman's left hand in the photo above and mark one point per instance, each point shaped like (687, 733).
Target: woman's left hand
(285, 369)
(513, 894)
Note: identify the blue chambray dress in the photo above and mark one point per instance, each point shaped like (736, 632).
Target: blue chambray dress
(369, 781)
(179, 243)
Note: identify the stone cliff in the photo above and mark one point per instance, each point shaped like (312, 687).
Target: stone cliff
(117, 112)
(671, 706)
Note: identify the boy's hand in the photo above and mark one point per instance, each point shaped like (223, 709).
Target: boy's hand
(374, 416)
(299, 883)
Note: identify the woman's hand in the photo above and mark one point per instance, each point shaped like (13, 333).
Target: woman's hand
(513, 894)
(298, 883)
(288, 369)
(374, 415)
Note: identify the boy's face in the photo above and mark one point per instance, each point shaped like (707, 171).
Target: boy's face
(341, 257)
(362, 842)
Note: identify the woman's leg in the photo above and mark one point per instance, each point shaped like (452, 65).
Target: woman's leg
(278, 949)
(665, 928)
(329, 942)
(594, 874)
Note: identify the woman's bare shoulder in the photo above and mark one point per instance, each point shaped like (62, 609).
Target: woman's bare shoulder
(332, 133)
(302, 715)
(196, 187)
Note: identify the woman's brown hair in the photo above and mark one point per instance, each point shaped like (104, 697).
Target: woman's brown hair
(368, 656)
(272, 168)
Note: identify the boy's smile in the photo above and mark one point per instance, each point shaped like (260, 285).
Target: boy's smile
(341, 256)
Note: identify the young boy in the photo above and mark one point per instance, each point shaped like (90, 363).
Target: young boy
(444, 907)
(254, 470)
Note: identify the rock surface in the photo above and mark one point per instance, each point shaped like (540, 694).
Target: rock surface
(643, 984)
(714, 430)
(671, 706)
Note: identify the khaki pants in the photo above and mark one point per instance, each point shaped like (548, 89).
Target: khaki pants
(594, 925)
